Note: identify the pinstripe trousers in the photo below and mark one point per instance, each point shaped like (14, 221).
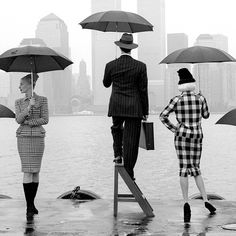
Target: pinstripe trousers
(126, 133)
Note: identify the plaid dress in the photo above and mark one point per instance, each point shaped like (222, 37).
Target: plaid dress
(189, 109)
(30, 137)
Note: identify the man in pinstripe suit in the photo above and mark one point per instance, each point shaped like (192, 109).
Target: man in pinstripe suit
(128, 102)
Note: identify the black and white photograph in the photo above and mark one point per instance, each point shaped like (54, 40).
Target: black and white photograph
(118, 118)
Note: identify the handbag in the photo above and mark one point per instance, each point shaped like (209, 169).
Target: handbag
(146, 140)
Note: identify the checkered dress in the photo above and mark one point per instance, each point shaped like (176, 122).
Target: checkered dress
(189, 109)
(30, 137)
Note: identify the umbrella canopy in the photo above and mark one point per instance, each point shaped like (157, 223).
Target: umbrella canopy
(32, 59)
(198, 54)
(116, 21)
(228, 119)
(5, 112)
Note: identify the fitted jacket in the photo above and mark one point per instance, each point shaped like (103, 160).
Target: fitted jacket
(189, 109)
(37, 116)
(129, 96)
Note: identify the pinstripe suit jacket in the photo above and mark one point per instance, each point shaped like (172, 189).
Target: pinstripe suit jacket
(129, 96)
(37, 116)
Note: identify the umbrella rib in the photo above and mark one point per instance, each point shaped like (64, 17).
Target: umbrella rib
(130, 26)
(102, 16)
(35, 70)
(57, 62)
(10, 63)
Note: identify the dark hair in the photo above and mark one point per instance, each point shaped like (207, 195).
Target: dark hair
(126, 50)
(28, 78)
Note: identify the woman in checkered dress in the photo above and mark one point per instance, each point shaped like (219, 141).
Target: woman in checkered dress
(31, 114)
(189, 109)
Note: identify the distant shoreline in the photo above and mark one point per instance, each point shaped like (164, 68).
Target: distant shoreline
(105, 114)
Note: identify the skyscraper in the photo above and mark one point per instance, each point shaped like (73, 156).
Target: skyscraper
(152, 47)
(82, 97)
(103, 51)
(216, 81)
(53, 31)
(4, 88)
(174, 42)
(83, 85)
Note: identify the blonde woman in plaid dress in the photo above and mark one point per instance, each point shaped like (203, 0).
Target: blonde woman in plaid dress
(31, 114)
(189, 109)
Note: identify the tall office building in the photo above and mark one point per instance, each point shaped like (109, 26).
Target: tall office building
(4, 88)
(174, 42)
(14, 92)
(53, 31)
(216, 79)
(103, 51)
(152, 47)
(213, 40)
(83, 85)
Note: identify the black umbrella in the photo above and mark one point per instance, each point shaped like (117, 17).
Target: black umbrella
(198, 54)
(33, 59)
(116, 21)
(5, 112)
(228, 119)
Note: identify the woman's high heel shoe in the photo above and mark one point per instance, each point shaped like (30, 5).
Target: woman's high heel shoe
(35, 210)
(210, 207)
(187, 213)
(29, 212)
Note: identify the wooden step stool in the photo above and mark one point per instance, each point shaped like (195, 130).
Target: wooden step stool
(136, 196)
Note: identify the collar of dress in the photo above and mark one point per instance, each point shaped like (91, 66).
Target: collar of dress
(34, 95)
(186, 92)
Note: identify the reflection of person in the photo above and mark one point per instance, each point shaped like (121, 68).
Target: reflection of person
(128, 102)
(189, 109)
(30, 227)
(31, 114)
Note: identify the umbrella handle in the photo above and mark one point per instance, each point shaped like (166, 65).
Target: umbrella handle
(32, 62)
(199, 79)
(32, 86)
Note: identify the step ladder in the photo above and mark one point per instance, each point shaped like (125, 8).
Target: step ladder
(136, 196)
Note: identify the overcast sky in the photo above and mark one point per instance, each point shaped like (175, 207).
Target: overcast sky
(19, 19)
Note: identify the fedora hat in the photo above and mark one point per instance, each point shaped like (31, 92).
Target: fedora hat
(126, 41)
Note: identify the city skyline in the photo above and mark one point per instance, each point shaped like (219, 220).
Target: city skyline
(151, 49)
(181, 16)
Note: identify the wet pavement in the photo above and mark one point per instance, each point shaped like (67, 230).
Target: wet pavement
(66, 217)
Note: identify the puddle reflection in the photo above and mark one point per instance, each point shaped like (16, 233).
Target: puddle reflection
(131, 226)
(29, 226)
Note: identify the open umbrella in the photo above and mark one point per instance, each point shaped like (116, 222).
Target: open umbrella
(198, 54)
(228, 119)
(5, 112)
(32, 59)
(116, 21)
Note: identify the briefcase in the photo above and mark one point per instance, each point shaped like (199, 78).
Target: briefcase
(146, 140)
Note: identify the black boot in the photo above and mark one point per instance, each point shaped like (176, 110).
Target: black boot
(28, 197)
(34, 192)
(187, 213)
(210, 207)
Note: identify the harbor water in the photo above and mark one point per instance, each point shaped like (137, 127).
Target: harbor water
(79, 152)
